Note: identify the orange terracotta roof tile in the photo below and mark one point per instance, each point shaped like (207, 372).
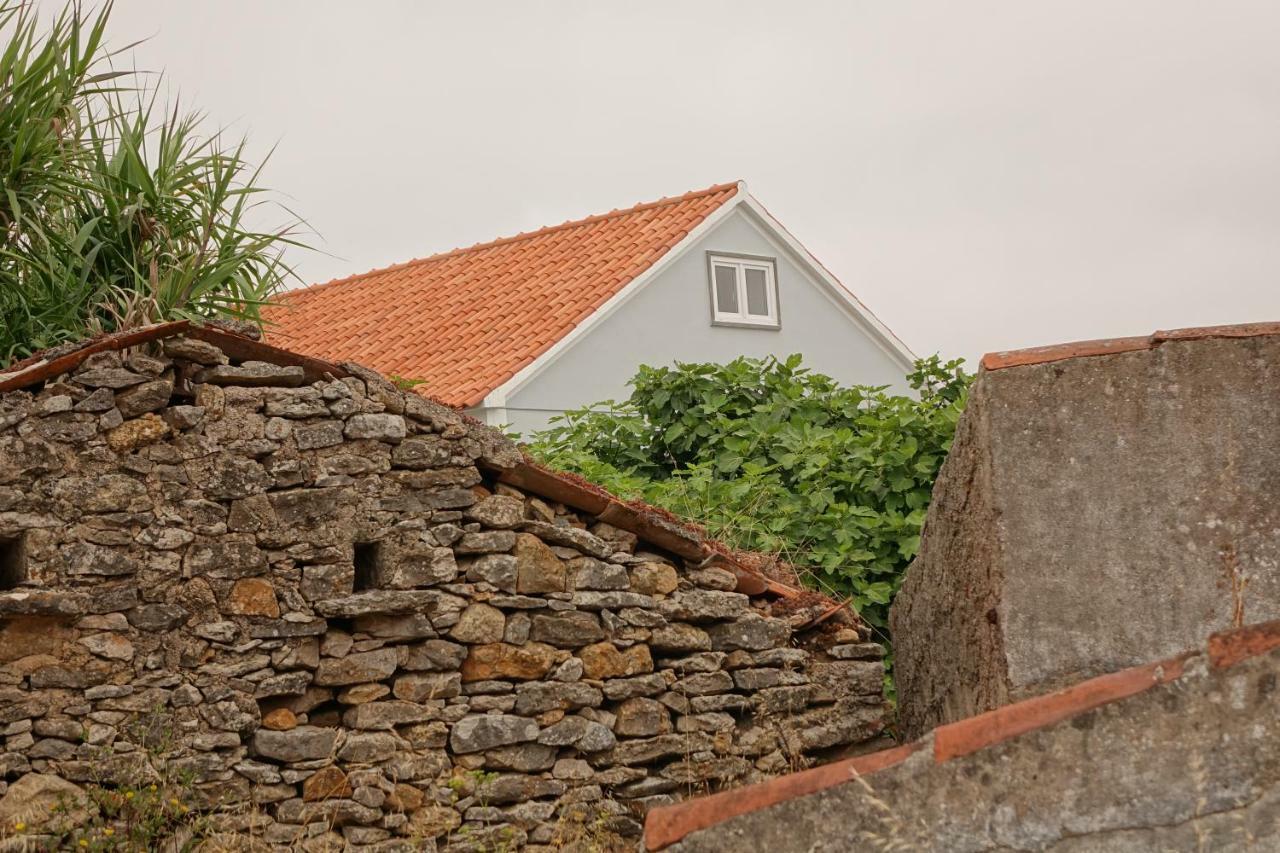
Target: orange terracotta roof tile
(468, 320)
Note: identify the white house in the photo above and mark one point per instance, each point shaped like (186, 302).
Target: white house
(520, 329)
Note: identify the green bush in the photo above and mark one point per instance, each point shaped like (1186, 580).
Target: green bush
(772, 457)
(115, 210)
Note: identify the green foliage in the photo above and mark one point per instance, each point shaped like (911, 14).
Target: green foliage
(115, 211)
(772, 457)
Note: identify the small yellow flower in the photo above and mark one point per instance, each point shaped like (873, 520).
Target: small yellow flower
(108, 832)
(84, 842)
(19, 826)
(153, 789)
(173, 801)
(128, 795)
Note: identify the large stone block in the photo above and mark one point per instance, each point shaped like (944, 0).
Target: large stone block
(1095, 512)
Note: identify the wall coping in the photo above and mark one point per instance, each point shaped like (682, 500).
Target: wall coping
(1003, 359)
(666, 825)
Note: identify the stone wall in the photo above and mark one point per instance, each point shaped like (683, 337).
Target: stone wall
(1176, 755)
(1104, 504)
(342, 629)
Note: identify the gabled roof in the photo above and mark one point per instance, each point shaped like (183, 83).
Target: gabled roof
(467, 320)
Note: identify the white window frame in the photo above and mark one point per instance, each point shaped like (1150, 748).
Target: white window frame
(740, 264)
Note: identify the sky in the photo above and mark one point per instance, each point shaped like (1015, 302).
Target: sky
(983, 175)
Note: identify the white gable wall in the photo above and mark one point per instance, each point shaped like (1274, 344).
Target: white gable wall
(669, 319)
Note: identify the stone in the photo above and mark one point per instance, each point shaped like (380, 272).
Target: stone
(758, 679)
(433, 822)
(485, 542)
(497, 511)
(408, 559)
(252, 597)
(224, 558)
(479, 623)
(412, 626)
(713, 578)
(147, 397)
(378, 427)
(359, 694)
(500, 660)
(517, 787)
(569, 629)
(570, 537)
(369, 747)
(616, 689)
(382, 602)
(648, 750)
(423, 451)
(252, 374)
(279, 720)
(157, 617)
(31, 800)
(642, 717)
(109, 645)
(109, 377)
(500, 570)
(420, 687)
(538, 697)
(538, 569)
(574, 769)
(680, 637)
(517, 629)
(751, 632)
(481, 732)
(224, 476)
(194, 350)
(294, 403)
(605, 660)
(327, 783)
(521, 758)
(356, 668)
(705, 683)
(654, 578)
(439, 655)
(304, 743)
(590, 573)
(857, 651)
(139, 432)
(317, 435)
(702, 605)
(612, 600)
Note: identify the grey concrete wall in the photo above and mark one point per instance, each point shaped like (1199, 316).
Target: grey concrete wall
(1095, 513)
(670, 320)
(1190, 765)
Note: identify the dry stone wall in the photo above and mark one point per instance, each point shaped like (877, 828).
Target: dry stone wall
(314, 603)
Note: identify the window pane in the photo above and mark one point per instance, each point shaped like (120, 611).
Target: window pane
(757, 293)
(726, 290)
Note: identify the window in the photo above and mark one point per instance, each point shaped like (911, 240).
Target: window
(13, 569)
(366, 563)
(744, 291)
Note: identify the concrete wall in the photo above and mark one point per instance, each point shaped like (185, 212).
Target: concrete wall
(670, 320)
(1095, 512)
(1191, 764)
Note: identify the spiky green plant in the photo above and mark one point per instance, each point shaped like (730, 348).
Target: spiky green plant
(116, 210)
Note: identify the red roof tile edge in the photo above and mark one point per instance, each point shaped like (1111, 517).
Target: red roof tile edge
(1111, 346)
(657, 526)
(666, 825)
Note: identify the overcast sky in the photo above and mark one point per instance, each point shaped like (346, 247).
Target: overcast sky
(984, 175)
